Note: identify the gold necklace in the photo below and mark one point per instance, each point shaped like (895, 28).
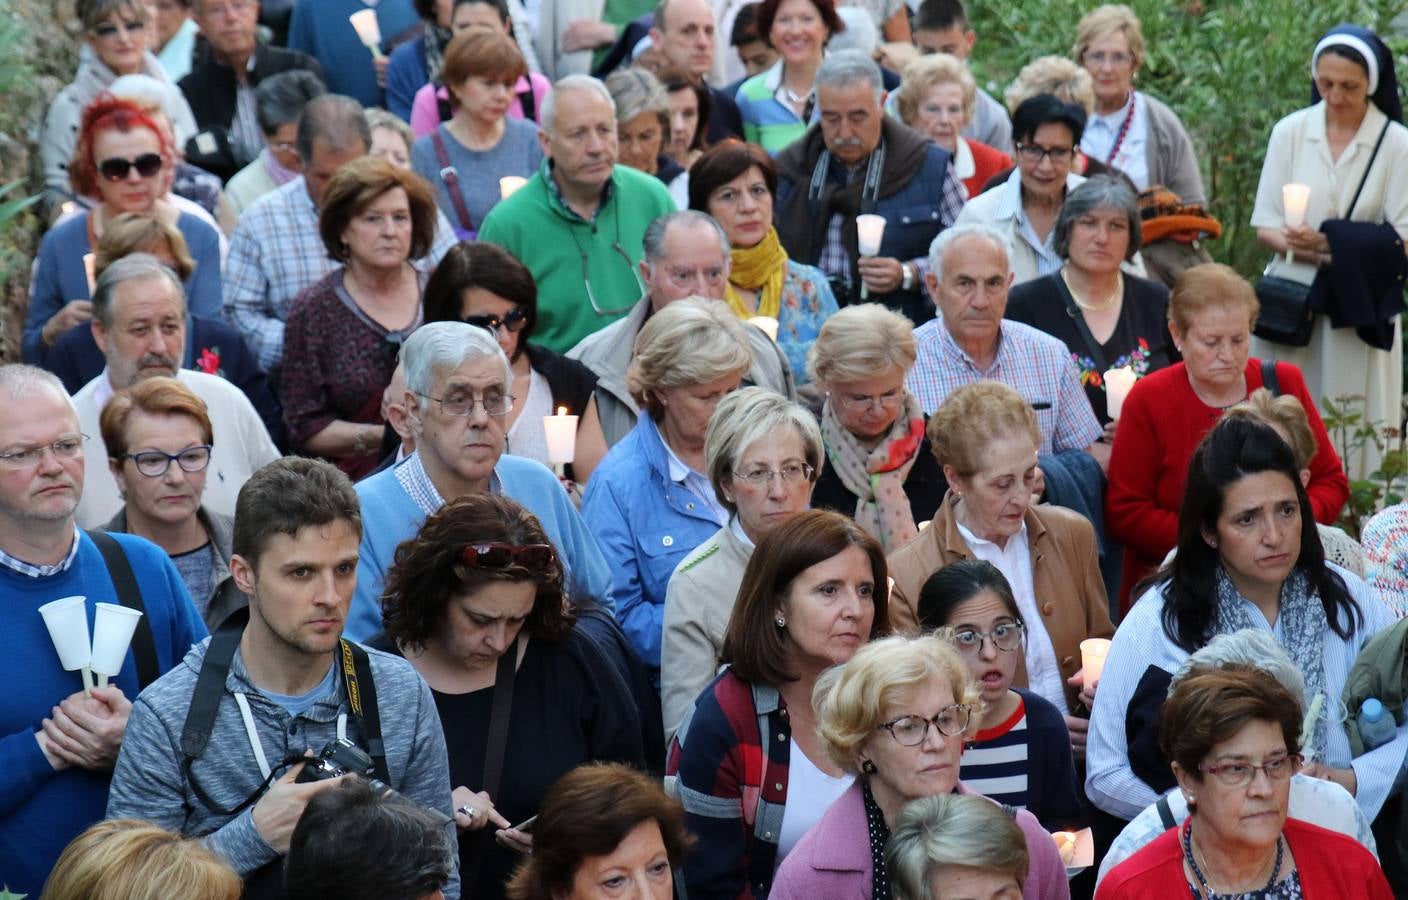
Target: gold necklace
(1200, 857)
(1094, 307)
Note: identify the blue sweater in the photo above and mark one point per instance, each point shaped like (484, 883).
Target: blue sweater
(41, 809)
(390, 516)
(322, 30)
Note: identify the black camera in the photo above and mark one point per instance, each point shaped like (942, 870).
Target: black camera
(342, 757)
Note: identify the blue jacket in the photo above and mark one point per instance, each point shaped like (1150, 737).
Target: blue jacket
(645, 525)
(405, 74)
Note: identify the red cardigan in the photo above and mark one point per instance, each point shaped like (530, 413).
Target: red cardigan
(987, 162)
(1332, 866)
(1161, 425)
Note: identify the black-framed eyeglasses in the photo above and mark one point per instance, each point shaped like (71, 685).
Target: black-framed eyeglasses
(66, 447)
(514, 320)
(791, 473)
(154, 463)
(1033, 153)
(1005, 637)
(591, 294)
(1240, 774)
(910, 731)
(115, 168)
(497, 555)
(495, 404)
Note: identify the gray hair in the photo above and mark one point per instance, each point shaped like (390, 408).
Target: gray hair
(860, 33)
(690, 342)
(1248, 647)
(653, 243)
(380, 118)
(860, 342)
(954, 233)
(845, 68)
(20, 380)
(279, 99)
(634, 92)
(952, 830)
(748, 416)
(334, 119)
(133, 267)
(445, 346)
(1099, 192)
(547, 116)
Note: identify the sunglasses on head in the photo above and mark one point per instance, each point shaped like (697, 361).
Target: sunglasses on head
(513, 321)
(117, 168)
(501, 556)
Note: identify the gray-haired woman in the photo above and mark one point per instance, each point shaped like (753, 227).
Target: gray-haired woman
(278, 104)
(643, 128)
(956, 845)
(763, 454)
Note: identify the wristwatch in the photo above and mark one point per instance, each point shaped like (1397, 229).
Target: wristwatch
(908, 270)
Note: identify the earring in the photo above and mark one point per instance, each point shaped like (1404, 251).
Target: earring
(868, 767)
(781, 622)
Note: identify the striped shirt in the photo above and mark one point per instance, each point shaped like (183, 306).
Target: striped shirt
(995, 764)
(30, 570)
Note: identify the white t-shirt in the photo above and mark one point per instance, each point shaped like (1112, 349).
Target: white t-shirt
(810, 792)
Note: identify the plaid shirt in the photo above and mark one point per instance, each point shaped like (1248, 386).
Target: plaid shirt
(275, 253)
(1036, 364)
(30, 570)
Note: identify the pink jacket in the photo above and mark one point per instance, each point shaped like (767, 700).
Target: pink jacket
(832, 860)
(425, 109)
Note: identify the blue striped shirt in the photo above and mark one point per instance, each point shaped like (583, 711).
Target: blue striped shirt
(995, 765)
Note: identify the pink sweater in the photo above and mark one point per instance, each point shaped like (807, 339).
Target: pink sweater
(425, 108)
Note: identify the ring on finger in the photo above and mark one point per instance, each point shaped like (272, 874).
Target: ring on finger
(468, 811)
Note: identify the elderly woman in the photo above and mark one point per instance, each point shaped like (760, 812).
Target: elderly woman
(879, 466)
(1020, 754)
(1233, 735)
(736, 184)
(777, 105)
(896, 715)
(485, 285)
(604, 829)
(1247, 558)
(1106, 318)
(690, 106)
(391, 138)
(128, 859)
(467, 156)
(764, 453)
(747, 761)
(158, 438)
(650, 502)
(124, 159)
(476, 604)
(1348, 148)
(986, 438)
(936, 98)
(118, 35)
(643, 117)
(1046, 132)
(1211, 311)
(956, 845)
(1129, 130)
(278, 102)
(344, 330)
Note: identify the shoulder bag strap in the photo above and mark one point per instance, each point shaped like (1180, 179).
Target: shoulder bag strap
(496, 745)
(1367, 169)
(130, 596)
(452, 180)
(1269, 379)
(210, 684)
(361, 697)
(1092, 346)
(1165, 813)
(529, 103)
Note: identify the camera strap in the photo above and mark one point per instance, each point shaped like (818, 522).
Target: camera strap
(361, 697)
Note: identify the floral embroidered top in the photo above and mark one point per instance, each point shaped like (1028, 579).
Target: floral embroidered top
(1140, 340)
(806, 303)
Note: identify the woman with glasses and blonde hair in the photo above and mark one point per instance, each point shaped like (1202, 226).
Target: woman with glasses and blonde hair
(896, 715)
(475, 602)
(937, 98)
(956, 845)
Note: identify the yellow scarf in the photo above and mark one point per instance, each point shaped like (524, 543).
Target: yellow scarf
(760, 267)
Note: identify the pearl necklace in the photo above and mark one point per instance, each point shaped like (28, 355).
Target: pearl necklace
(1095, 307)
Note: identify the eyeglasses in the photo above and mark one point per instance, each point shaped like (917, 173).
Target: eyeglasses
(495, 404)
(910, 731)
(1033, 153)
(889, 401)
(154, 463)
(116, 168)
(683, 278)
(587, 281)
(790, 474)
(108, 29)
(1117, 59)
(68, 447)
(1240, 774)
(501, 556)
(1006, 637)
(284, 147)
(514, 321)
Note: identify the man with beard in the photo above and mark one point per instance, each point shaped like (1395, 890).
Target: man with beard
(139, 322)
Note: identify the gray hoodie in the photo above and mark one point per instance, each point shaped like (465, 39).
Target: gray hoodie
(150, 782)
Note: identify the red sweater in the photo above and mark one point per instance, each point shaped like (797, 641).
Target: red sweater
(1161, 425)
(1332, 866)
(987, 162)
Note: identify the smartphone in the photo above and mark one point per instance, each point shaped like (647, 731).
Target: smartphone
(527, 825)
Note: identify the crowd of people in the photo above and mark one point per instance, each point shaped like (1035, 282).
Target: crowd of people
(555, 452)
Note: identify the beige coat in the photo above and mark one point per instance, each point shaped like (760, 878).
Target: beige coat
(1065, 576)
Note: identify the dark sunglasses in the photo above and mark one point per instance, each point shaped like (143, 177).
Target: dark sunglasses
(501, 556)
(513, 321)
(108, 29)
(116, 168)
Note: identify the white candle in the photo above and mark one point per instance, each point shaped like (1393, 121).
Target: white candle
(1092, 658)
(768, 325)
(509, 184)
(1117, 386)
(870, 228)
(368, 30)
(67, 622)
(89, 264)
(112, 635)
(561, 432)
(1295, 198)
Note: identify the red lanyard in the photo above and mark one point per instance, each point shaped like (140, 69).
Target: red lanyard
(1124, 130)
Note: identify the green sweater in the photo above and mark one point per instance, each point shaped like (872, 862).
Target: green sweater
(537, 227)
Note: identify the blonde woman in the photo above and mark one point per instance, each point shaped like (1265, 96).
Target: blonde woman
(937, 98)
(127, 859)
(956, 843)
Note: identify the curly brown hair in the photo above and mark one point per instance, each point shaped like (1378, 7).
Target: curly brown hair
(428, 571)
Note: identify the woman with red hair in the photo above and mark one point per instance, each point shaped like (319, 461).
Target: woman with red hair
(124, 160)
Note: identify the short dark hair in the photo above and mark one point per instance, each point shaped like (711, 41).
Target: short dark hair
(676, 79)
(1210, 705)
(767, 11)
(428, 570)
(359, 184)
(724, 162)
(279, 99)
(940, 15)
(335, 120)
(498, 6)
(477, 264)
(753, 643)
(745, 26)
(957, 583)
(588, 813)
(288, 495)
(355, 843)
(1047, 109)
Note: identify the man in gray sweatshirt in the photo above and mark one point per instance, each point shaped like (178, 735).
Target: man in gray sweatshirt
(297, 530)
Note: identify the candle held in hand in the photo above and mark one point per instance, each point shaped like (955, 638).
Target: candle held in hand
(1092, 658)
(561, 431)
(368, 30)
(1118, 383)
(509, 184)
(1295, 198)
(870, 230)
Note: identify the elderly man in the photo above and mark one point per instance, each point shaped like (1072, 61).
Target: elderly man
(683, 31)
(686, 255)
(222, 79)
(941, 26)
(139, 322)
(577, 224)
(277, 250)
(457, 394)
(57, 746)
(858, 160)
